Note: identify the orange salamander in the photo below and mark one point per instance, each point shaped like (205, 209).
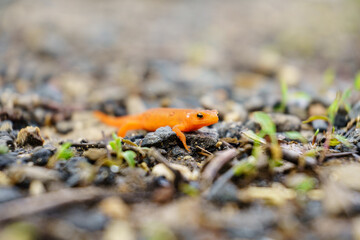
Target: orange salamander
(180, 120)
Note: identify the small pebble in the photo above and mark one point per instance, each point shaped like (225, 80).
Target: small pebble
(105, 176)
(29, 136)
(9, 193)
(40, 115)
(254, 103)
(319, 124)
(160, 170)
(224, 194)
(7, 139)
(290, 74)
(41, 156)
(90, 220)
(114, 207)
(286, 122)
(355, 111)
(6, 126)
(36, 188)
(64, 127)
(118, 230)
(317, 108)
(341, 119)
(229, 130)
(94, 154)
(7, 160)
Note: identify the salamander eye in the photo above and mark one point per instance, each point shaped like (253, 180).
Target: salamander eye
(200, 115)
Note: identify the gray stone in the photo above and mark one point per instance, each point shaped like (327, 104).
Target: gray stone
(64, 127)
(355, 110)
(7, 160)
(206, 138)
(255, 103)
(7, 139)
(9, 193)
(162, 136)
(229, 129)
(90, 220)
(41, 156)
(319, 124)
(283, 122)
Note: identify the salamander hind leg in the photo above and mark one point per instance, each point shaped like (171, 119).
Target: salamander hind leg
(128, 126)
(182, 137)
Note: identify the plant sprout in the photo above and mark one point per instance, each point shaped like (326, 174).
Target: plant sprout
(246, 167)
(64, 152)
(306, 185)
(284, 96)
(3, 149)
(357, 81)
(268, 128)
(128, 155)
(329, 77)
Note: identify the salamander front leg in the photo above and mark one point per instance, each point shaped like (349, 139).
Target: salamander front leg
(182, 137)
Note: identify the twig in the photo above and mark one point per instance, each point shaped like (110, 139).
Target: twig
(216, 164)
(219, 183)
(88, 145)
(337, 155)
(326, 144)
(227, 144)
(35, 204)
(204, 151)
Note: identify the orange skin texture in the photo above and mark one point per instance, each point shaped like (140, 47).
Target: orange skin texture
(180, 120)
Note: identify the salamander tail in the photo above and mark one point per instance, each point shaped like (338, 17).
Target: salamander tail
(110, 120)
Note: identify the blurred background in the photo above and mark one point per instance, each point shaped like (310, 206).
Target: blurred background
(173, 52)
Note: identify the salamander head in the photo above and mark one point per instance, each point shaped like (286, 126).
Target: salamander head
(201, 118)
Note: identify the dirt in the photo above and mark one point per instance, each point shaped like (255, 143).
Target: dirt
(249, 176)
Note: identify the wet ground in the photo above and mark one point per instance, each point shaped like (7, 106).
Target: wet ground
(261, 172)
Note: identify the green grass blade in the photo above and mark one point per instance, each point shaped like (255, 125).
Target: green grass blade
(250, 134)
(64, 152)
(130, 157)
(267, 125)
(316, 117)
(357, 81)
(296, 136)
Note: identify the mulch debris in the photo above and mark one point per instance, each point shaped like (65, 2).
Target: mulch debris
(275, 177)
